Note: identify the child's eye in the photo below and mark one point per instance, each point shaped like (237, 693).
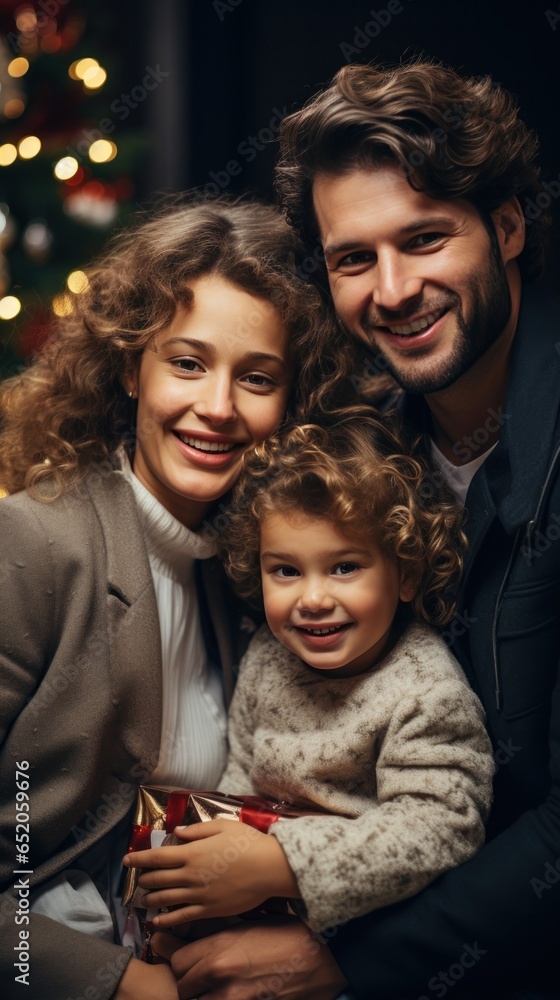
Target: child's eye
(285, 571)
(344, 568)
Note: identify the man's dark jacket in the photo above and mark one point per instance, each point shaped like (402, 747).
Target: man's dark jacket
(491, 928)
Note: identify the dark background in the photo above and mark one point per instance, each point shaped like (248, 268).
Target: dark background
(234, 67)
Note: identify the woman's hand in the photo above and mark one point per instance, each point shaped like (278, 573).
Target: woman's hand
(146, 982)
(224, 868)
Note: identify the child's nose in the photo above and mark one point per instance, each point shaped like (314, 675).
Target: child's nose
(314, 598)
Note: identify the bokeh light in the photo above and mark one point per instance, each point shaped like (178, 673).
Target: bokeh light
(77, 281)
(14, 108)
(26, 19)
(29, 147)
(62, 305)
(18, 66)
(102, 150)
(8, 154)
(66, 167)
(94, 78)
(10, 306)
(81, 66)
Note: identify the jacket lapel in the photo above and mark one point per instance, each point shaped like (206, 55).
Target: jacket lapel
(531, 408)
(133, 622)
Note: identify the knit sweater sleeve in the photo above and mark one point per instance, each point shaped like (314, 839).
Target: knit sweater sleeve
(236, 779)
(434, 777)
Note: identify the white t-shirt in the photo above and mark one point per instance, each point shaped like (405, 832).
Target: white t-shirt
(458, 477)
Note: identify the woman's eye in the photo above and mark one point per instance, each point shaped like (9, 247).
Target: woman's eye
(343, 569)
(286, 571)
(258, 380)
(187, 365)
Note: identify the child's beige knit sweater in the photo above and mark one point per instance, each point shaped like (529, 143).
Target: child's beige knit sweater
(399, 754)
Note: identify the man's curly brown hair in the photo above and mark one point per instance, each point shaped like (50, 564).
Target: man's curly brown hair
(358, 473)
(69, 409)
(450, 136)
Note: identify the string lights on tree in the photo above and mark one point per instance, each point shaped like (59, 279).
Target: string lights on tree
(63, 183)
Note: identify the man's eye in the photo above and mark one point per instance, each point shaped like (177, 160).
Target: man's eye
(426, 239)
(355, 258)
(344, 568)
(286, 571)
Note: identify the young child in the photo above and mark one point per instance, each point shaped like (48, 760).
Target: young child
(348, 701)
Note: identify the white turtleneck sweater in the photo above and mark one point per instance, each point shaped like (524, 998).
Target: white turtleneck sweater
(193, 732)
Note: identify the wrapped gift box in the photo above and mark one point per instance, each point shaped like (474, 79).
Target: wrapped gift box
(159, 810)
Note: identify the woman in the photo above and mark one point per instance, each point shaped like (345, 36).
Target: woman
(119, 442)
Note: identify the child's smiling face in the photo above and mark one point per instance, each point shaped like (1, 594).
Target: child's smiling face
(329, 596)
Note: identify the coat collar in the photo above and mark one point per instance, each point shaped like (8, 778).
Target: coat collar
(135, 643)
(532, 406)
(128, 569)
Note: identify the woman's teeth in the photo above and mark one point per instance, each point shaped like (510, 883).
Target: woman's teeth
(205, 445)
(416, 326)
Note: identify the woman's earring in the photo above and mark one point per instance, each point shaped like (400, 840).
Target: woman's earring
(130, 394)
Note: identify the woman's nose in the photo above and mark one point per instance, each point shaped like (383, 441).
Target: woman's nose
(215, 402)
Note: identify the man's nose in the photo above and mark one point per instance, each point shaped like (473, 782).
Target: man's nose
(396, 281)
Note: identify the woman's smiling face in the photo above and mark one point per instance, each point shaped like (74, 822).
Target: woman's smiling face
(210, 385)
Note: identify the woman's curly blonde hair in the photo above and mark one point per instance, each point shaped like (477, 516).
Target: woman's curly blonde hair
(358, 473)
(69, 409)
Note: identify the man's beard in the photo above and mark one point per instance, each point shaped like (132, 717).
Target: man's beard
(490, 302)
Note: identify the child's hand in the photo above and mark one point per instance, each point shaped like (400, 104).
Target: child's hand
(225, 867)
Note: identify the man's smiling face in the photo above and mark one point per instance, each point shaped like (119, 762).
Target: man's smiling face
(419, 280)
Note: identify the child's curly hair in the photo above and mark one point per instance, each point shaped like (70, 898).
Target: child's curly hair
(358, 473)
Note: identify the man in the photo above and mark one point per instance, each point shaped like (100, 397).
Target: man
(414, 181)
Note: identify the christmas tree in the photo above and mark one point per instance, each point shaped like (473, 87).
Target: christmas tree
(68, 167)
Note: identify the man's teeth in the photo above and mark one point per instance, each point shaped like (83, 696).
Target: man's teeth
(323, 631)
(416, 326)
(205, 445)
